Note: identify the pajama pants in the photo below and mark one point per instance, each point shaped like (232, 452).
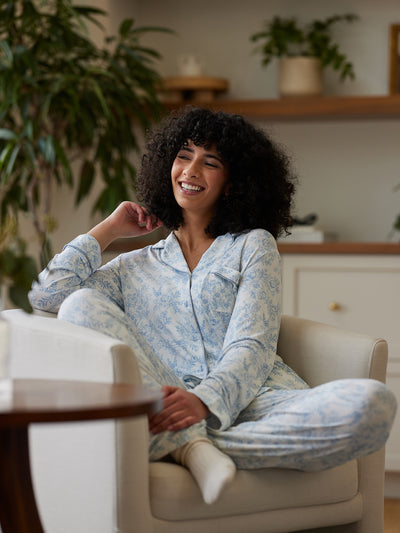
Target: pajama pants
(305, 429)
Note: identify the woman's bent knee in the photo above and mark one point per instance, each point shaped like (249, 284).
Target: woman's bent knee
(370, 419)
(78, 301)
(89, 308)
(380, 410)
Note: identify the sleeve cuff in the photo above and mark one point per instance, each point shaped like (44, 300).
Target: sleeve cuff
(219, 417)
(82, 256)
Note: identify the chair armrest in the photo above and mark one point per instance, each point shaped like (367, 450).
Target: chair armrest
(42, 347)
(320, 353)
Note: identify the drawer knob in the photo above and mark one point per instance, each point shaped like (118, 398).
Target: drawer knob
(334, 306)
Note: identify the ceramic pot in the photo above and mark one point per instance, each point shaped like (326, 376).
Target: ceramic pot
(190, 65)
(300, 76)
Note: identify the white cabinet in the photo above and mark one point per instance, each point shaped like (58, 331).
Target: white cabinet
(357, 292)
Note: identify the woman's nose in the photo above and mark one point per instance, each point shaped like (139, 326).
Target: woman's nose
(192, 169)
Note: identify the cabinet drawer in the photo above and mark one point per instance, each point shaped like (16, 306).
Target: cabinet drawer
(356, 294)
(362, 300)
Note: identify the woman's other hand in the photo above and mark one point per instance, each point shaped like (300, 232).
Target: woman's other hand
(181, 409)
(128, 220)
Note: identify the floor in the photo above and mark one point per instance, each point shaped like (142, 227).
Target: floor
(392, 516)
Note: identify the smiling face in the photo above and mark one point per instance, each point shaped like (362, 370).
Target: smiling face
(199, 178)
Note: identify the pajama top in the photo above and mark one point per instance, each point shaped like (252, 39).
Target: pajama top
(216, 327)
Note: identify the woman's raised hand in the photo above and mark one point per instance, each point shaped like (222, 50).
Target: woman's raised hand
(128, 220)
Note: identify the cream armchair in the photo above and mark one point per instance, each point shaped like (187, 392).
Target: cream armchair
(95, 477)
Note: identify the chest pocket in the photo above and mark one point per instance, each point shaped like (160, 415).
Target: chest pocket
(219, 292)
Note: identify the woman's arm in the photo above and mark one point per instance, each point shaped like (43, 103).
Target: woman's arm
(78, 265)
(249, 348)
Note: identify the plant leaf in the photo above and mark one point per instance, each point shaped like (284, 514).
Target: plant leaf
(7, 135)
(85, 181)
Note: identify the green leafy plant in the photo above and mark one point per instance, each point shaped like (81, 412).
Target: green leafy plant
(68, 107)
(283, 37)
(17, 269)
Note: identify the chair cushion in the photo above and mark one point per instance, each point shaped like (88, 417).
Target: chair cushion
(175, 496)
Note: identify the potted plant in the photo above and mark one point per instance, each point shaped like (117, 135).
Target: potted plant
(303, 52)
(68, 107)
(17, 272)
(17, 269)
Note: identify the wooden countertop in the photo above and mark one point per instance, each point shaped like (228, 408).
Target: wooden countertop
(384, 248)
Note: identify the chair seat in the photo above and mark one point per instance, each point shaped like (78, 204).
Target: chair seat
(175, 496)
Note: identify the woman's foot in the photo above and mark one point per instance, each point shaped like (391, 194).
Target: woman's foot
(212, 469)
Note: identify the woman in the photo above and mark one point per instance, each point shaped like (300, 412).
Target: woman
(201, 309)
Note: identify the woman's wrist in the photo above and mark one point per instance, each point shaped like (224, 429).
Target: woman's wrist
(104, 233)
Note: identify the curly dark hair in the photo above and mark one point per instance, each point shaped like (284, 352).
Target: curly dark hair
(261, 185)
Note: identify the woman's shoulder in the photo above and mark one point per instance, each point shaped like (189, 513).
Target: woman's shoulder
(253, 246)
(256, 238)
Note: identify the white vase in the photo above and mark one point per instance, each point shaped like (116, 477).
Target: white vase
(190, 65)
(300, 76)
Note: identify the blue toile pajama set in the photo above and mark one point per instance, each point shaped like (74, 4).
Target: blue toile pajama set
(214, 331)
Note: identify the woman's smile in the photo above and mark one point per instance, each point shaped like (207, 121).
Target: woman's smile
(190, 187)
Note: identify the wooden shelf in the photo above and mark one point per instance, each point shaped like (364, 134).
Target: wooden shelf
(316, 108)
(367, 248)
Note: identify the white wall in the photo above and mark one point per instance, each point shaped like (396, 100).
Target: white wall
(347, 169)
(219, 31)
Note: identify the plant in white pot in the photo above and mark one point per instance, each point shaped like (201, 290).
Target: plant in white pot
(303, 53)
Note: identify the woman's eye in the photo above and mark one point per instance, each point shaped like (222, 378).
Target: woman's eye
(209, 164)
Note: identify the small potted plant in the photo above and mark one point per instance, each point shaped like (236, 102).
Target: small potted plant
(303, 53)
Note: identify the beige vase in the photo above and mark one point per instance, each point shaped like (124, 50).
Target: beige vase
(300, 76)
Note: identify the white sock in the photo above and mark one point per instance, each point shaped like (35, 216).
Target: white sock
(212, 469)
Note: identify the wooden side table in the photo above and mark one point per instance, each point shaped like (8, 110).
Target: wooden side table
(53, 401)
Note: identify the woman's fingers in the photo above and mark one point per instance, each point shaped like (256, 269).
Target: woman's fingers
(181, 423)
(181, 409)
(146, 219)
(138, 218)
